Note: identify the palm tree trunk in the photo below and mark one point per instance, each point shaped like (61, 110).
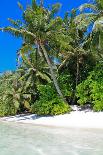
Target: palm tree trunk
(76, 80)
(52, 73)
(77, 72)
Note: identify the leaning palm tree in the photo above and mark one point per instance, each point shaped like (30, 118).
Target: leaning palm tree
(42, 30)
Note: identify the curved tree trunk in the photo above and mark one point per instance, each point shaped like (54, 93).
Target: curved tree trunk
(52, 73)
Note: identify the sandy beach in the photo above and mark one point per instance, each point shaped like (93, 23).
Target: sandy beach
(80, 119)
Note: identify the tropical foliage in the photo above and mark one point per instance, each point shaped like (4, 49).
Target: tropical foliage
(59, 62)
(91, 90)
(48, 102)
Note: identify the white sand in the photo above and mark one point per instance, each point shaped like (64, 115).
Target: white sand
(80, 119)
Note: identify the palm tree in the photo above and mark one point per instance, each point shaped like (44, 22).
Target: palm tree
(40, 29)
(32, 72)
(34, 67)
(93, 17)
(74, 58)
(76, 46)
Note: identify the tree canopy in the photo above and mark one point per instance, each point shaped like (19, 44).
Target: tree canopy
(57, 60)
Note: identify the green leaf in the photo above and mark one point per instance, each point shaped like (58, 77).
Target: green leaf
(27, 105)
(89, 6)
(43, 76)
(16, 104)
(20, 6)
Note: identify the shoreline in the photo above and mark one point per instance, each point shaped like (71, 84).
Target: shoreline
(76, 119)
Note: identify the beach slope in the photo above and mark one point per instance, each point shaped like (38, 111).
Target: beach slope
(79, 119)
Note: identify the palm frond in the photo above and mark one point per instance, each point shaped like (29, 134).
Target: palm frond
(55, 8)
(20, 6)
(27, 105)
(25, 49)
(18, 32)
(34, 5)
(43, 76)
(54, 24)
(16, 24)
(84, 20)
(88, 6)
(98, 25)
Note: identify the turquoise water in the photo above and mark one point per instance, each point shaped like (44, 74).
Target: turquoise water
(25, 139)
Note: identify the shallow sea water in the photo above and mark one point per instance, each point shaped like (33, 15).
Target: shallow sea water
(27, 139)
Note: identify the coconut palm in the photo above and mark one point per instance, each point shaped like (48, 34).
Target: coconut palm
(92, 17)
(76, 48)
(11, 92)
(42, 30)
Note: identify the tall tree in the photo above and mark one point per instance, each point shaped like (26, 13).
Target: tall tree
(40, 29)
(91, 15)
(76, 46)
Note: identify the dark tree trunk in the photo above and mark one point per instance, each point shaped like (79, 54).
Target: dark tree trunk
(52, 73)
(77, 71)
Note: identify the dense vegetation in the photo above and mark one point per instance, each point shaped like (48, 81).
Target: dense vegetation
(60, 62)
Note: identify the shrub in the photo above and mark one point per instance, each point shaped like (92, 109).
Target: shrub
(98, 105)
(91, 90)
(7, 107)
(65, 83)
(47, 92)
(15, 95)
(6, 101)
(50, 107)
(49, 103)
(41, 108)
(59, 107)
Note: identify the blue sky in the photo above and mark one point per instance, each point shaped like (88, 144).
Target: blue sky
(8, 44)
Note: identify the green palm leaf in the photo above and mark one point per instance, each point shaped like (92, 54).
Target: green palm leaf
(43, 76)
(88, 6)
